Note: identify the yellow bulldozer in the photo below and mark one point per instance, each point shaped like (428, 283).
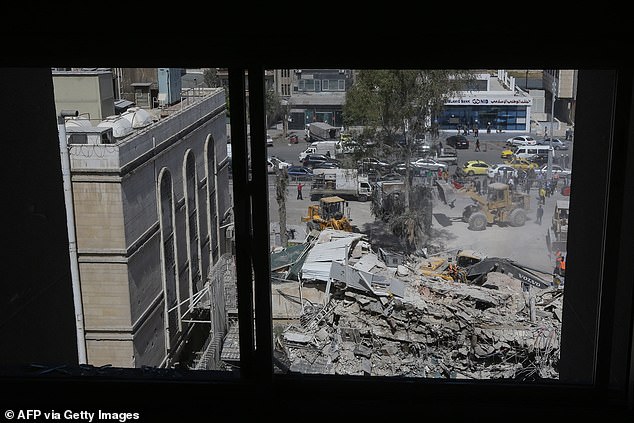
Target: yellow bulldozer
(331, 212)
(500, 205)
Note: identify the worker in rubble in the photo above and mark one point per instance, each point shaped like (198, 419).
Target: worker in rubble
(562, 266)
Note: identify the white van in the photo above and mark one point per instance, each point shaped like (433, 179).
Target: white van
(532, 151)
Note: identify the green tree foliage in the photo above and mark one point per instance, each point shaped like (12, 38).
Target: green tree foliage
(396, 108)
(273, 107)
(210, 76)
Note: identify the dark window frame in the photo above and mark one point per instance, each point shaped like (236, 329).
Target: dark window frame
(597, 312)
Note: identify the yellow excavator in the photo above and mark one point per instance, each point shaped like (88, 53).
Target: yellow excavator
(331, 212)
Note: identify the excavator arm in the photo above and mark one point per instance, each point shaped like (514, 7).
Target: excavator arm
(476, 273)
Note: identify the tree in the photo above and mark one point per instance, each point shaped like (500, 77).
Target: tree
(210, 76)
(281, 191)
(398, 107)
(273, 107)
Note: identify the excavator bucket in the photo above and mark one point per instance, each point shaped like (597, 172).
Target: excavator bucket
(446, 191)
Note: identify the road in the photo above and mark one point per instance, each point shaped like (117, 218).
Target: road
(526, 245)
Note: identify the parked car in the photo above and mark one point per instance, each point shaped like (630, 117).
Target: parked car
(523, 164)
(392, 176)
(429, 164)
(507, 153)
(557, 144)
(501, 169)
(274, 163)
(313, 159)
(457, 141)
(554, 169)
(475, 167)
(399, 167)
(299, 172)
(521, 140)
(372, 163)
(269, 140)
(327, 165)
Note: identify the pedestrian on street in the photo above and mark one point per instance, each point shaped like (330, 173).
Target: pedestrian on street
(477, 148)
(542, 195)
(540, 213)
(299, 191)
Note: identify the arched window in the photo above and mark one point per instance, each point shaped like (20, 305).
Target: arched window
(212, 199)
(168, 250)
(193, 237)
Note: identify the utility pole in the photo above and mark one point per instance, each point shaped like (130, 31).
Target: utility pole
(552, 123)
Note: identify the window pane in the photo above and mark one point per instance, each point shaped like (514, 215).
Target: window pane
(153, 212)
(444, 269)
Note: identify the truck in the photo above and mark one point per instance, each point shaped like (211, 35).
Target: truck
(502, 205)
(327, 148)
(322, 131)
(345, 183)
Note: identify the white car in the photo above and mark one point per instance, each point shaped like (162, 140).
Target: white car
(554, 169)
(269, 140)
(274, 163)
(521, 140)
(429, 164)
(499, 169)
(557, 144)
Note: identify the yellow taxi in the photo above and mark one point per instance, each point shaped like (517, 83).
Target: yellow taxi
(475, 167)
(523, 164)
(506, 153)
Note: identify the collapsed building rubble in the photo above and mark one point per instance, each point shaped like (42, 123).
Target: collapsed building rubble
(400, 322)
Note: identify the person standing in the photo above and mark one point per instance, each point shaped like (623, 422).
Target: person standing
(540, 213)
(542, 195)
(299, 191)
(477, 147)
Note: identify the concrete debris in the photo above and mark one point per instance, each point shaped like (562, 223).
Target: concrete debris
(436, 329)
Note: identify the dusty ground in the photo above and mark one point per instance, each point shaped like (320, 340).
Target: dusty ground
(526, 245)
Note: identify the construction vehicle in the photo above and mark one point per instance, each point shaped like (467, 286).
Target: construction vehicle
(502, 205)
(471, 267)
(450, 266)
(557, 235)
(331, 212)
(477, 272)
(345, 183)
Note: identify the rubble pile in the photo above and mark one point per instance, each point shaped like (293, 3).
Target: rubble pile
(439, 329)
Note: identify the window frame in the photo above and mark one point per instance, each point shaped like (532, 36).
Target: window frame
(597, 314)
(600, 370)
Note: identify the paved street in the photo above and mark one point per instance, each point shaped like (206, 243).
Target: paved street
(526, 244)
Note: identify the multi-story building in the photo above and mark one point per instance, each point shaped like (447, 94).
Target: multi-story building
(313, 95)
(562, 84)
(152, 208)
